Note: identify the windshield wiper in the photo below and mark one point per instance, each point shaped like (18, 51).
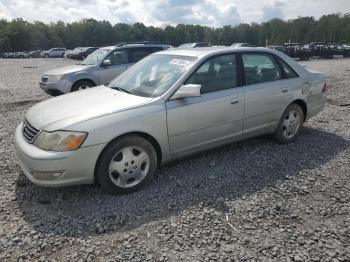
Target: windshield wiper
(121, 89)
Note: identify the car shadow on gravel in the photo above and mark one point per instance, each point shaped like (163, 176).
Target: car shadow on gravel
(211, 178)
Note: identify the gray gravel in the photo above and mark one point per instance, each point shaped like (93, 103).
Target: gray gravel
(254, 200)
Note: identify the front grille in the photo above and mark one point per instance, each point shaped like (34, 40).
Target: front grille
(44, 79)
(29, 132)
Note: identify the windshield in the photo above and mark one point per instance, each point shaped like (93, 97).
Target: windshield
(95, 57)
(153, 75)
(186, 45)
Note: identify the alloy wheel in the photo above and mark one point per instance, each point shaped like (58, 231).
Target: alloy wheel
(291, 124)
(129, 166)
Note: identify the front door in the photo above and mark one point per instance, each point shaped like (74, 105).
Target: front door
(119, 63)
(216, 117)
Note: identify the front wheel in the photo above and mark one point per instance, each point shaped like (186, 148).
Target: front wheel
(289, 125)
(82, 85)
(126, 165)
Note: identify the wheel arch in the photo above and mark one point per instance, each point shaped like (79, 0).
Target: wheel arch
(144, 135)
(83, 79)
(303, 106)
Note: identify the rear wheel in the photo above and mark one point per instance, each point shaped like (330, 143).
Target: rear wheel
(290, 124)
(81, 85)
(46, 56)
(126, 165)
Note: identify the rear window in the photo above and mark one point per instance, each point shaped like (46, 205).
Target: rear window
(289, 72)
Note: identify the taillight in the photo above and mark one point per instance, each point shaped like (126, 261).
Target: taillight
(325, 87)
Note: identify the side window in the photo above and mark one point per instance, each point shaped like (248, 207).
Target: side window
(136, 54)
(217, 73)
(290, 73)
(260, 68)
(118, 57)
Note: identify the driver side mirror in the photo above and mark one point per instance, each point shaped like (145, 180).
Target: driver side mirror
(190, 90)
(106, 62)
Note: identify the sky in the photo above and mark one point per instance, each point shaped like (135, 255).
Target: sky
(164, 12)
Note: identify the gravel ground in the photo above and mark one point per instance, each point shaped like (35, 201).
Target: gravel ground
(254, 200)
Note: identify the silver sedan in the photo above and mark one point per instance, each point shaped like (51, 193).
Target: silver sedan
(170, 104)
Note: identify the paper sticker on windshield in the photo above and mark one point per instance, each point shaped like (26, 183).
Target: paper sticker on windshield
(180, 62)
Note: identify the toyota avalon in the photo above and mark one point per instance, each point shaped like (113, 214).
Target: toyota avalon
(170, 104)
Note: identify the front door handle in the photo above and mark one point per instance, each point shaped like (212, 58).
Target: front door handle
(234, 102)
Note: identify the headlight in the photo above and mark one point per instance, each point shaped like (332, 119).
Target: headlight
(54, 78)
(60, 140)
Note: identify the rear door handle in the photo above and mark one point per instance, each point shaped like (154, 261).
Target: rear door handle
(285, 90)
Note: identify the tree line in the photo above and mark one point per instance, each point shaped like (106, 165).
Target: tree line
(20, 35)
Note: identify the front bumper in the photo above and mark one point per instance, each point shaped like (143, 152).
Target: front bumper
(75, 167)
(56, 88)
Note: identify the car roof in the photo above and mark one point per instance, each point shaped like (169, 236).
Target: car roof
(132, 46)
(206, 51)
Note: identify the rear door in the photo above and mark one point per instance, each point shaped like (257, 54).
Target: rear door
(267, 92)
(138, 53)
(216, 117)
(119, 63)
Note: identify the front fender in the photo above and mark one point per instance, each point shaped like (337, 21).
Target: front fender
(84, 75)
(150, 120)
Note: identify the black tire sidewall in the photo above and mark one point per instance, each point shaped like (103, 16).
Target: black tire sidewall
(278, 135)
(81, 82)
(102, 174)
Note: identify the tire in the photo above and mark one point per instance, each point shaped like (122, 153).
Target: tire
(126, 165)
(83, 57)
(46, 56)
(81, 85)
(287, 131)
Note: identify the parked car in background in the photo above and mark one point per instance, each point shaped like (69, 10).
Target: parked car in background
(242, 45)
(8, 55)
(346, 51)
(278, 48)
(54, 52)
(68, 52)
(100, 67)
(339, 50)
(81, 53)
(168, 105)
(320, 49)
(194, 45)
(297, 50)
(35, 53)
(23, 54)
(15, 55)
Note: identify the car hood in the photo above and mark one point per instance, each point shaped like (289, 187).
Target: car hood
(61, 112)
(68, 69)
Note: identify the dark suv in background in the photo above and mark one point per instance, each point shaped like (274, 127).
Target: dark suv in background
(297, 50)
(81, 53)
